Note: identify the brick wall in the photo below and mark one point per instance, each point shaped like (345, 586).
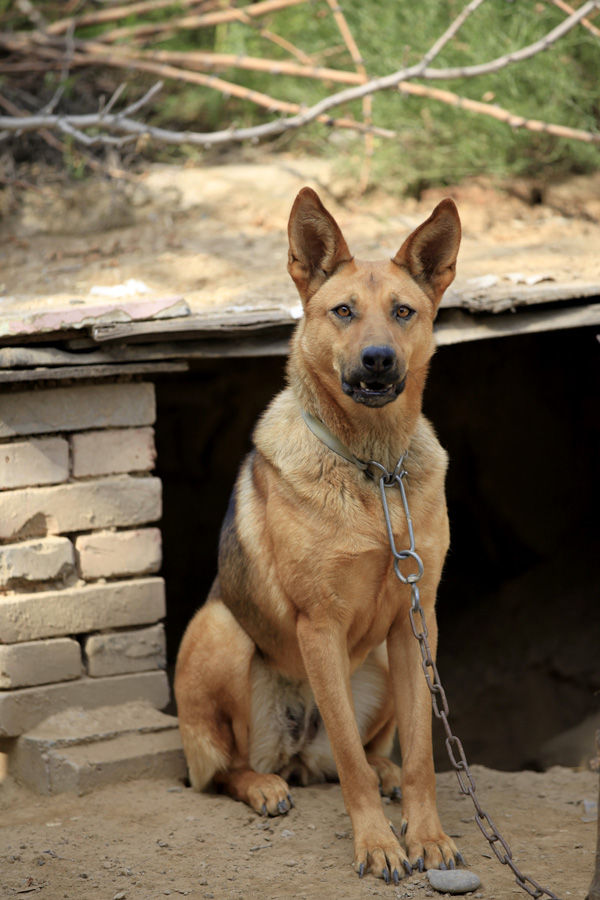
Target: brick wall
(80, 602)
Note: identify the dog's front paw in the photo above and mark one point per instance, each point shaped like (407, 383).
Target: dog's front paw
(430, 849)
(378, 850)
(269, 795)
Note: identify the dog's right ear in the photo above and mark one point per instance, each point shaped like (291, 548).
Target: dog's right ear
(317, 246)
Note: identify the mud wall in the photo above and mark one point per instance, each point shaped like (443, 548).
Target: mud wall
(518, 607)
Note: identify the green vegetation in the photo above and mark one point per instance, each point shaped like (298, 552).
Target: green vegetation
(436, 143)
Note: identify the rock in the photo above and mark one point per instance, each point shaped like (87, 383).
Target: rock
(453, 881)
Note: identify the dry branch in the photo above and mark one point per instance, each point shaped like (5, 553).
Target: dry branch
(585, 22)
(262, 8)
(114, 13)
(497, 112)
(48, 48)
(367, 103)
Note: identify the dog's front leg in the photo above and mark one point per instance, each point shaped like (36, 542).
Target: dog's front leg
(325, 657)
(427, 844)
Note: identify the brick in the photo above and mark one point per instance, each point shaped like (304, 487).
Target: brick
(43, 559)
(109, 554)
(113, 451)
(76, 408)
(79, 506)
(126, 651)
(78, 749)
(37, 461)
(27, 617)
(23, 709)
(39, 662)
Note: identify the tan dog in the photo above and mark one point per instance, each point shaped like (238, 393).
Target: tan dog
(302, 661)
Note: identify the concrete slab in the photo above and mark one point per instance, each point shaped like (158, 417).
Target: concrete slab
(78, 750)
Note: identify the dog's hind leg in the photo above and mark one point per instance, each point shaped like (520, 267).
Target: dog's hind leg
(213, 691)
(212, 666)
(372, 683)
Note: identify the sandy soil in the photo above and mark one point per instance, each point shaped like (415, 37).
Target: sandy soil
(217, 234)
(154, 839)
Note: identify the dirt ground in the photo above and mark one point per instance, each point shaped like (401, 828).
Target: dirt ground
(217, 236)
(153, 839)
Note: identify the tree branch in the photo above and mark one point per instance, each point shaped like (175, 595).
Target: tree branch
(98, 52)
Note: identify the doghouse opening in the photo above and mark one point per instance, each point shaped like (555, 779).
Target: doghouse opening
(517, 607)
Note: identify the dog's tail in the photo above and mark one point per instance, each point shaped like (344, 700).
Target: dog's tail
(204, 757)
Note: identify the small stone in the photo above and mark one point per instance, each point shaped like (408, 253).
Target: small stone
(453, 881)
(120, 896)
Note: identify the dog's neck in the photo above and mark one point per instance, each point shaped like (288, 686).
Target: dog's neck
(381, 434)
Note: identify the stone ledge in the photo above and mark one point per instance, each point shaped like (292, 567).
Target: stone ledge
(79, 506)
(36, 561)
(33, 462)
(27, 617)
(139, 650)
(39, 662)
(110, 554)
(76, 408)
(78, 750)
(113, 451)
(23, 709)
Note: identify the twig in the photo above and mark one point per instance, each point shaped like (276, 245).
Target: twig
(447, 36)
(117, 58)
(207, 59)
(64, 72)
(138, 104)
(89, 52)
(367, 103)
(517, 55)
(33, 14)
(113, 99)
(115, 122)
(231, 14)
(57, 144)
(497, 112)
(114, 13)
(585, 22)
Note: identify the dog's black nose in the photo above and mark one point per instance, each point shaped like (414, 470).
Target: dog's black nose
(378, 359)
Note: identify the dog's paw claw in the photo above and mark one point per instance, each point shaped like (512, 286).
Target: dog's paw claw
(396, 876)
(263, 810)
(385, 874)
(361, 870)
(396, 793)
(407, 866)
(403, 828)
(421, 864)
(282, 807)
(460, 859)
(290, 801)
(451, 864)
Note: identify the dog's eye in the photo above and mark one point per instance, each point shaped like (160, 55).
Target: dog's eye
(343, 311)
(404, 312)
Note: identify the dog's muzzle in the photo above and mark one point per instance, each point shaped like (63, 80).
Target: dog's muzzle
(377, 380)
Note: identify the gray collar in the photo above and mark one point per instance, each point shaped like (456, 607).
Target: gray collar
(322, 432)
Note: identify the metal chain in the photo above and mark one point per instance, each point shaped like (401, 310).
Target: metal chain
(439, 701)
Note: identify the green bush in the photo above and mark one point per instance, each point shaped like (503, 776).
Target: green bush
(436, 143)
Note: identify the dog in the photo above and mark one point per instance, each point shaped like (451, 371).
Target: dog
(302, 663)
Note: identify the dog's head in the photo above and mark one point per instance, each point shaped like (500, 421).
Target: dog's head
(368, 325)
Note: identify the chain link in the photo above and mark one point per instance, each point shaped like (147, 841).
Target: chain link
(439, 702)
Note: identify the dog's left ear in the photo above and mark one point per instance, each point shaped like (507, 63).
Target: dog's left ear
(429, 253)
(317, 246)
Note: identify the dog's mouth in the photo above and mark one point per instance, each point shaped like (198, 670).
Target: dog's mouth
(371, 392)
